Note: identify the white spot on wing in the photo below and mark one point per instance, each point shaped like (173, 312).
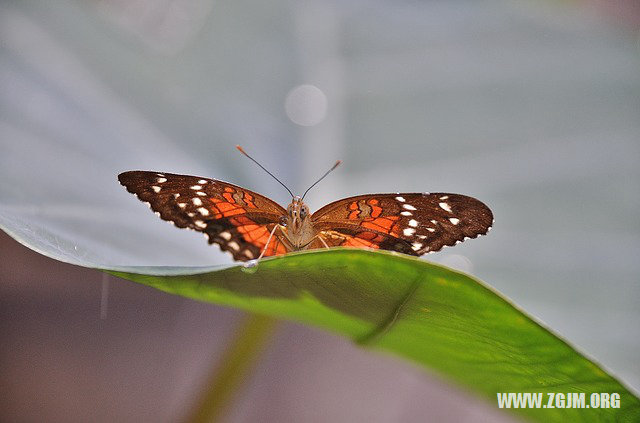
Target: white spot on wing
(248, 253)
(445, 206)
(435, 222)
(200, 193)
(176, 195)
(406, 213)
(416, 246)
(226, 235)
(401, 199)
(234, 245)
(408, 231)
(197, 201)
(182, 205)
(161, 180)
(431, 229)
(409, 207)
(155, 188)
(202, 181)
(200, 224)
(444, 197)
(454, 220)
(160, 175)
(413, 223)
(195, 187)
(203, 211)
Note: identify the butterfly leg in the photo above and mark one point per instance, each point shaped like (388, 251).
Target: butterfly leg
(319, 236)
(309, 245)
(268, 241)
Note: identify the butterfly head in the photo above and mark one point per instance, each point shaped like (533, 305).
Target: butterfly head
(296, 224)
(297, 215)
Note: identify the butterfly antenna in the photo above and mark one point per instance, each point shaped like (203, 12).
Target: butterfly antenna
(240, 149)
(322, 177)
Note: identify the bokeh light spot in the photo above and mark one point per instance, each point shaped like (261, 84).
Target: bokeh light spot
(306, 105)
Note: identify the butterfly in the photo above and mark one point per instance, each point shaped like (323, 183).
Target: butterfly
(250, 226)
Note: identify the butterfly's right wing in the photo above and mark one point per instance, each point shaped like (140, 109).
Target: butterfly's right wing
(237, 219)
(410, 223)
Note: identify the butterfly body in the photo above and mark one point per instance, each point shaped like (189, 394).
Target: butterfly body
(296, 226)
(249, 225)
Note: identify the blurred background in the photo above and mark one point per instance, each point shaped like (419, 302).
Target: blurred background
(531, 106)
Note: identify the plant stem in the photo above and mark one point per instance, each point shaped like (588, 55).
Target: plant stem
(234, 368)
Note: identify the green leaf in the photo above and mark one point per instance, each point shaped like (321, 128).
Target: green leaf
(439, 318)
(443, 320)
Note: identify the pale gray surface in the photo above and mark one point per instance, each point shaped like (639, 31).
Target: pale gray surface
(532, 107)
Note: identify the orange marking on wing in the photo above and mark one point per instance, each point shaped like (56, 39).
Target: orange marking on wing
(233, 212)
(257, 235)
(376, 210)
(228, 189)
(353, 206)
(258, 239)
(229, 197)
(373, 202)
(371, 225)
(395, 229)
(241, 220)
(381, 224)
(245, 229)
(354, 214)
(226, 209)
(223, 207)
(253, 233)
(280, 248)
(248, 198)
(275, 247)
(359, 242)
(270, 251)
(369, 236)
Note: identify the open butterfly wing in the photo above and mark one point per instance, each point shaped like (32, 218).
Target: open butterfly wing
(237, 219)
(409, 223)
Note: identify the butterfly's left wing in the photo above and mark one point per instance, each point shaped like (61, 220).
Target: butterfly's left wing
(237, 219)
(413, 223)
